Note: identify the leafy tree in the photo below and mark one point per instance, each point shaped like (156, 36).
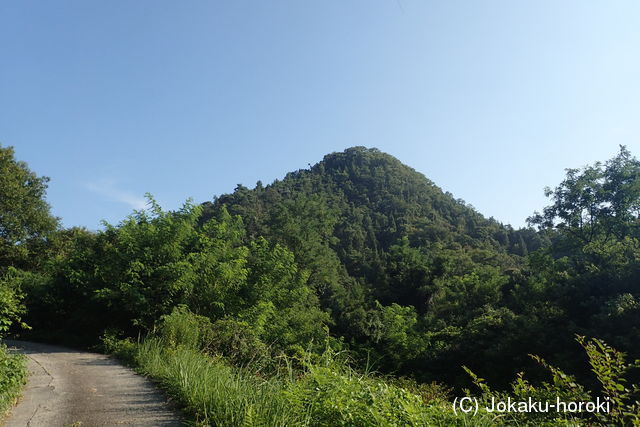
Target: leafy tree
(599, 201)
(126, 277)
(25, 219)
(11, 306)
(588, 277)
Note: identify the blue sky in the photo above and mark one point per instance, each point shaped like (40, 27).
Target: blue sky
(489, 99)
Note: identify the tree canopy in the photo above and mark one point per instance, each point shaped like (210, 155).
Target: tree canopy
(25, 218)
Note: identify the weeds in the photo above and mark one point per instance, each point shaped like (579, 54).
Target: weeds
(13, 375)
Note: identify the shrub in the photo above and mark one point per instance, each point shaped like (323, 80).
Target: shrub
(610, 368)
(331, 393)
(184, 328)
(236, 341)
(13, 375)
(11, 307)
(124, 349)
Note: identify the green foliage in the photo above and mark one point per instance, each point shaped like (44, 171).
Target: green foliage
(326, 392)
(611, 370)
(277, 301)
(238, 342)
(124, 277)
(13, 376)
(124, 349)
(331, 393)
(11, 307)
(335, 399)
(391, 257)
(25, 219)
(358, 252)
(128, 276)
(183, 328)
(214, 393)
(603, 199)
(143, 269)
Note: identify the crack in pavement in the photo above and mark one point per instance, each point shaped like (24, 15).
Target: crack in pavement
(48, 385)
(70, 387)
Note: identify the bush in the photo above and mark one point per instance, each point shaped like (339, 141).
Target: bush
(11, 307)
(184, 328)
(13, 375)
(330, 393)
(609, 367)
(237, 342)
(124, 349)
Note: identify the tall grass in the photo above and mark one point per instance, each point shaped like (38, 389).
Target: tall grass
(311, 390)
(213, 392)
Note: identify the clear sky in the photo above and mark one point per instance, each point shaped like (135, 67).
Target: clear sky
(489, 99)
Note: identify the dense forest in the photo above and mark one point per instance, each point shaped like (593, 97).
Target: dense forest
(358, 256)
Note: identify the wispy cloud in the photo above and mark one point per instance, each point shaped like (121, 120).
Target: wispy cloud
(108, 188)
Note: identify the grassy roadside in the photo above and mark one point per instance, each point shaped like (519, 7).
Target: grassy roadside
(326, 393)
(13, 376)
(211, 391)
(313, 389)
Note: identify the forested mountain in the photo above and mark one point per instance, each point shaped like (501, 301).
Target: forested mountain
(421, 283)
(374, 200)
(391, 255)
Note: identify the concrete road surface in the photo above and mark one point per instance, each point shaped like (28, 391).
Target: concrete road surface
(73, 388)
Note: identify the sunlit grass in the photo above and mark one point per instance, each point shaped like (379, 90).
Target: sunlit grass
(326, 393)
(214, 393)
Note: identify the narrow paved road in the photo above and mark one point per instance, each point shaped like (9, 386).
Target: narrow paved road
(69, 387)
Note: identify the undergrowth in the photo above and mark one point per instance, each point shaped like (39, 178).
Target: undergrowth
(323, 390)
(301, 390)
(13, 376)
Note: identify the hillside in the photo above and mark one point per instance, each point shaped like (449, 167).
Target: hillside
(381, 240)
(379, 197)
